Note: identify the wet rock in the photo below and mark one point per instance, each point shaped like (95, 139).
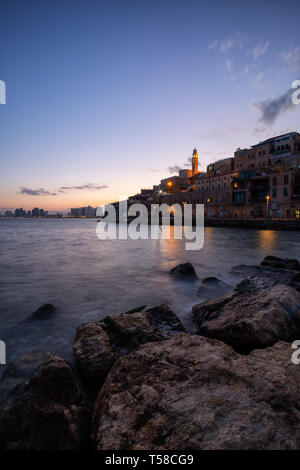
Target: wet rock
(213, 285)
(248, 320)
(212, 281)
(274, 262)
(184, 271)
(45, 311)
(98, 345)
(191, 392)
(264, 280)
(42, 405)
(296, 281)
(93, 352)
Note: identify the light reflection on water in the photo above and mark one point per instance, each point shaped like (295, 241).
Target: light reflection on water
(62, 262)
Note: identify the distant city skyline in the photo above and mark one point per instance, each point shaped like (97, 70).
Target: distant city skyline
(104, 98)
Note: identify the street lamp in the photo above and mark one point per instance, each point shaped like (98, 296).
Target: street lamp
(268, 199)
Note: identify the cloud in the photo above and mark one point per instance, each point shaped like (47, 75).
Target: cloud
(213, 45)
(273, 108)
(36, 192)
(234, 42)
(256, 79)
(226, 45)
(260, 49)
(228, 65)
(189, 162)
(62, 189)
(154, 170)
(292, 56)
(87, 186)
(174, 169)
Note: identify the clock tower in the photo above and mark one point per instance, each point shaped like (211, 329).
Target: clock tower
(195, 162)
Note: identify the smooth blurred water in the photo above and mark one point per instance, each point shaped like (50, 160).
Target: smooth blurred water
(62, 262)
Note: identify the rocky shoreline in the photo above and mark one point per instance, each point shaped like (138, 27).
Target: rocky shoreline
(143, 382)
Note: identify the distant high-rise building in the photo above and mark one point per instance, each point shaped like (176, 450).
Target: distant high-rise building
(20, 212)
(35, 212)
(195, 162)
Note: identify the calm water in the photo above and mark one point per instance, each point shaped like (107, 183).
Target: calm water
(62, 262)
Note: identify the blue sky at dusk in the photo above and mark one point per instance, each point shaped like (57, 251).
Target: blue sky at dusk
(106, 97)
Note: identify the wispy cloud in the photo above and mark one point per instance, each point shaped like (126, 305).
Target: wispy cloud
(188, 163)
(292, 55)
(62, 189)
(214, 45)
(36, 192)
(87, 186)
(226, 45)
(154, 170)
(256, 79)
(260, 49)
(228, 65)
(273, 108)
(174, 169)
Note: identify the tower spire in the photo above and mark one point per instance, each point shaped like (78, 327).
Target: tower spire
(195, 162)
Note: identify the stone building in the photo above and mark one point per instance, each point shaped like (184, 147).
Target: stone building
(259, 182)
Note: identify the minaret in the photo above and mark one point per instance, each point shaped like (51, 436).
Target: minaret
(195, 162)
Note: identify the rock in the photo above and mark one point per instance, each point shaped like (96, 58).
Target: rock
(213, 285)
(42, 405)
(98, 345)
(296, 281)
(274, 262)
(248, 320)
(93, 352)
(184, 271)
(191, 392)
(45, 311)
(212, 281)
(262, 277)
(264, 280)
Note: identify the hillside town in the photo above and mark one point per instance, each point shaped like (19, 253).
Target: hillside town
(260, 182)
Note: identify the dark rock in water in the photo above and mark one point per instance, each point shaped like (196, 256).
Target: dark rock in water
(137, 309)
(213, 285)
(184, 271)
(98, 345)
(263, 277)
(296, 281)
(244, 270)
(191, 392)
(264, 280)
(248, 320)
(212, 280)
(42, 405)
(274, 262)
(45, 311)
(93, 352)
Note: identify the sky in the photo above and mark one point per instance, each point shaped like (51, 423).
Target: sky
(104, 98)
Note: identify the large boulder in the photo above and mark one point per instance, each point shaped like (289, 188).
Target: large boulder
(264, 277)
(42, 405)
(98, 345)
(213, 285)
(274, 262)
(195, 393)
(184, 271)
(45, 311)
(251, 318)
(264, 280)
